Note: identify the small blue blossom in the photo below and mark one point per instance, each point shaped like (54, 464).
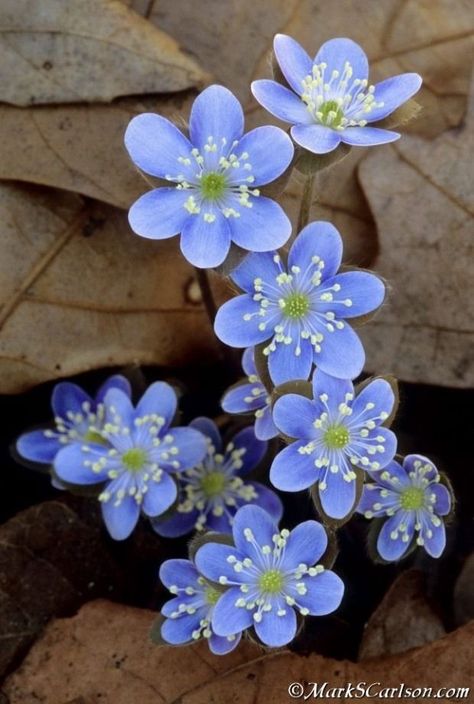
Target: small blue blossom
(301, 308)
(251, 397)
(77, 417)
(215, 175)
(330, 100)
(188, 616)
(211, 492)
(413, 499)
(271, 574)
(335, 432)
(133, 454)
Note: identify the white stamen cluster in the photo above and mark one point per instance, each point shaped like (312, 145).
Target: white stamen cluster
(77, 425)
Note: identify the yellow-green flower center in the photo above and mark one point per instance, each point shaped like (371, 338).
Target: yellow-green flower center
(134, 460)
(271, 582)
(296, 305)
(330, 114)
(336, 437)
(213, 484)
(412, 499)
(94, 436)
(213, 185)
(212, 596)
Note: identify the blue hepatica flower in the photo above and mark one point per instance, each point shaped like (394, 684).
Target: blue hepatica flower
(214, 197)
(211, 492)
(188, 617)
(138, 454)
(412, 499)
(77, 417)
(335, 433)
(251, 397)
(330, 100)
(270, 574)
(301, 308)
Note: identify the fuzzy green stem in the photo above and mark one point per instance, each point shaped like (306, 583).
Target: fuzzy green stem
(306, 202)
(207, 295)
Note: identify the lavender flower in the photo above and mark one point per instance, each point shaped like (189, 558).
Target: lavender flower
(330, 100)
(301, 309)
(335, 433)
(214, 197)
(134, 455)
(211, 492)
(270, 575)
(413, 499)
(251, 397)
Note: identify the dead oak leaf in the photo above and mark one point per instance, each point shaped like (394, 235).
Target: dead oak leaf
(88, 50)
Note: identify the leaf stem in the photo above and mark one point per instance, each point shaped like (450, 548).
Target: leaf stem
(207, 295)
(306, 202)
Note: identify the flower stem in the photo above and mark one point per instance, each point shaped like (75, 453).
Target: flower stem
(306, 202)
(207, 295)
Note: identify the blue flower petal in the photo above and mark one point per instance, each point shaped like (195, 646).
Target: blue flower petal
(305, 544)
(211, 561)
(335, 389)
(220, 524)
(260, 523)
(176, 525)
(391, 548)
(36, 447)
(281, 102)
(382, 458)
(216, 113)
(120, 520)
(221, 646)
(293, 60)
(435, 545)
(155, 144)
(255, 266)
(192, 448)
(372, 494)
(324, 593)
(336, 52)
(392, 93)
(270, 152)
(118, 408)
(410, 464)
(367, 136)
(206, 244)
(207, 427)
(275, 630)
(342, 354)
(178, 631)
(159, 214)
(69, 464)
(293, 471)
(159, 399)
(442, 504)
(255, 449)
(117, 381)
(240, 399)
(285, 365)
(68, 398)
(231, 327)
(173, 604)
(380, 398)
(294, 415)
(227, 618)
(263, 227)
(159, 496)
(318, 139)
(398, 478)
(339, 496)
(178, 572)
(265, 428)
(248, 360)
(268, 500)
(320, 239)
(365, 292)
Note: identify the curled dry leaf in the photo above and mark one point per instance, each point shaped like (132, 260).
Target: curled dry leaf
(94, 294)
(107, 656)
(420, 193)
(89, 50)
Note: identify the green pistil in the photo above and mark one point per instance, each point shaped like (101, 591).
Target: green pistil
(271, 582)
(95, 437)
(336, 437)
(331, 114)
(212, 596)
(213, 484)
(213, 185)
(412, 499)
(134, 460)
(296, 305)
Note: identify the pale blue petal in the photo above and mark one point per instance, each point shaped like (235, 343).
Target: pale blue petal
(364, 290)
(216, 113)
(155, 144)
(281, 102)
(178, 631)
(206, 244)
(435, 545)
(324, 593)
(293, 60)
(294, 416)
(120, 520)
(270, 152)
(275, 630)
(367, 136)
(260, 523)
(118, 408)
(318, 139)
(176, 525)
(192, 448)
(221, 646)
(372, 494)
(339, 496)
(392, 549)
(318, 239)
(181, 573)
(248, 358)
(305, 544)
(342, 354)
(235, 399)
(285, 365)
(409, 466)
(69, 397)
(69, 464)
(335, 389)
(261, 266)
(382, 458)
(231, 328)
(159, 399)
(36, 447)
(159, 496)
(395, 470)
(336, 52)
(263, 227)
(255, 449)
(211, 561)
(293, 471)
(265, 428)
(159, 214)
(442, 505)
(228, 619)
(392, 93)
(117, 381)
(207, 427)
(379, 395)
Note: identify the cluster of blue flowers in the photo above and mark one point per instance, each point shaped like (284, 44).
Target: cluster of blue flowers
(295, 315)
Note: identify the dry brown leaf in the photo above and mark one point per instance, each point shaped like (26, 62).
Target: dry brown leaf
(104, 655)
(403, 620)
(89, 50)
(78, 291)
(420, 193)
